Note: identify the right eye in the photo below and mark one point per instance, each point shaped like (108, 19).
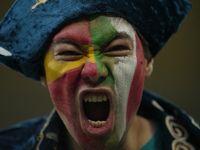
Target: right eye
(67, 52)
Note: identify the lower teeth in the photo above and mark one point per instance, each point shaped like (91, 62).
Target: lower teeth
(97, 124)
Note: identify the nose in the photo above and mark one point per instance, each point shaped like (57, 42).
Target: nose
(92, 75)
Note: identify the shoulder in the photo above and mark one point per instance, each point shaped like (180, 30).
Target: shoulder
(179, 128)
(21, 135)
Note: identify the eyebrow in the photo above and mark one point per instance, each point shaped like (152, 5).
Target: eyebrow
(119, 35)
(77, 45)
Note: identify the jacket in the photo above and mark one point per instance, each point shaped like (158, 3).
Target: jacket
(179, 130)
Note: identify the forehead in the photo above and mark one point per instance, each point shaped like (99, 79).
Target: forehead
(94, 30)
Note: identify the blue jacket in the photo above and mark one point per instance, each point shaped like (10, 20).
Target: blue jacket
(179, 130)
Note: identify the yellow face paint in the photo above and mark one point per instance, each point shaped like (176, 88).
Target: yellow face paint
(55, 69)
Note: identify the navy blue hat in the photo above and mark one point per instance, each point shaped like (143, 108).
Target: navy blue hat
(29, 26)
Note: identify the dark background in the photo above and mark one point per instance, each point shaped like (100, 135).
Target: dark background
(176, 76)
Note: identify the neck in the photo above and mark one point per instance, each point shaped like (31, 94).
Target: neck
(141, 131)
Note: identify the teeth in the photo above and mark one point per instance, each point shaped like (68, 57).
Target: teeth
(95, 98)
(99, 99)
(104, 98)
(97, 124)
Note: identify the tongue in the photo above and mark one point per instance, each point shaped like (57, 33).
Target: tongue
(96, 111)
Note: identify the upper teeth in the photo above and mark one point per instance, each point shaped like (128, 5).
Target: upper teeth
(95, 98)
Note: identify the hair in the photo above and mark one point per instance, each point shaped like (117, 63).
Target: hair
(145, 44)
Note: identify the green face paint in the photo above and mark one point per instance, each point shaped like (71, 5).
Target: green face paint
(102, 30)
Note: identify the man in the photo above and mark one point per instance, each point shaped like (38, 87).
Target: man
(94, 67)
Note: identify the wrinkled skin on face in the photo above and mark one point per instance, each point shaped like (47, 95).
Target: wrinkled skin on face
(95, 75)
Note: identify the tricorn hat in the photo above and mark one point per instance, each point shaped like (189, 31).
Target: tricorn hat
(29, 26)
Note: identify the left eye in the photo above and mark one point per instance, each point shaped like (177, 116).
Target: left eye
(118, 51)
(118, 48)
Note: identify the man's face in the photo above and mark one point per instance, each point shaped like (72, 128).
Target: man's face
(95, 76)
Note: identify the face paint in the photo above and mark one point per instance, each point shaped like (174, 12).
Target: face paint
(63, 76)
(128, 75)
(108, 68)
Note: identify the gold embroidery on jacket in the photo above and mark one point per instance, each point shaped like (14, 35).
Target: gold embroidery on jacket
(41, 134)
(179, 133)
(38, 2)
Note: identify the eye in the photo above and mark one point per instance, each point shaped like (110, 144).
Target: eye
(67, 52)
(119, 48)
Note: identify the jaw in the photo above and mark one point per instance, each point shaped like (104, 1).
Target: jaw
(87, 135)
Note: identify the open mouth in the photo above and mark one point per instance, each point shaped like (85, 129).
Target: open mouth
(96, 108)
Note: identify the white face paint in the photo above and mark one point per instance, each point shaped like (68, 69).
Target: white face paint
(123, 73)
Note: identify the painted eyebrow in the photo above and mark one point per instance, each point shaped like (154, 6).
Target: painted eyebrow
(119, 35)
(77, 45)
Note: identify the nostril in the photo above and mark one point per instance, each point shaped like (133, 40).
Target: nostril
(91, 74)
(94, 80)
(87, 79)
(101, 79)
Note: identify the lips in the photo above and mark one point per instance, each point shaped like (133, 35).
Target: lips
(96, 110)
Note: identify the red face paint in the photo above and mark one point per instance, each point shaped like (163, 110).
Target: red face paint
(63, 90)
(78, 31)
(137, 84)
(66, 103)
(89, 70)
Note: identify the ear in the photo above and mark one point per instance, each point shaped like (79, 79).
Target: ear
(148, 67)
(43, 80)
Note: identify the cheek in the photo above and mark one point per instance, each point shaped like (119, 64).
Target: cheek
(137, 84)
(123, 73)
(62, 92)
